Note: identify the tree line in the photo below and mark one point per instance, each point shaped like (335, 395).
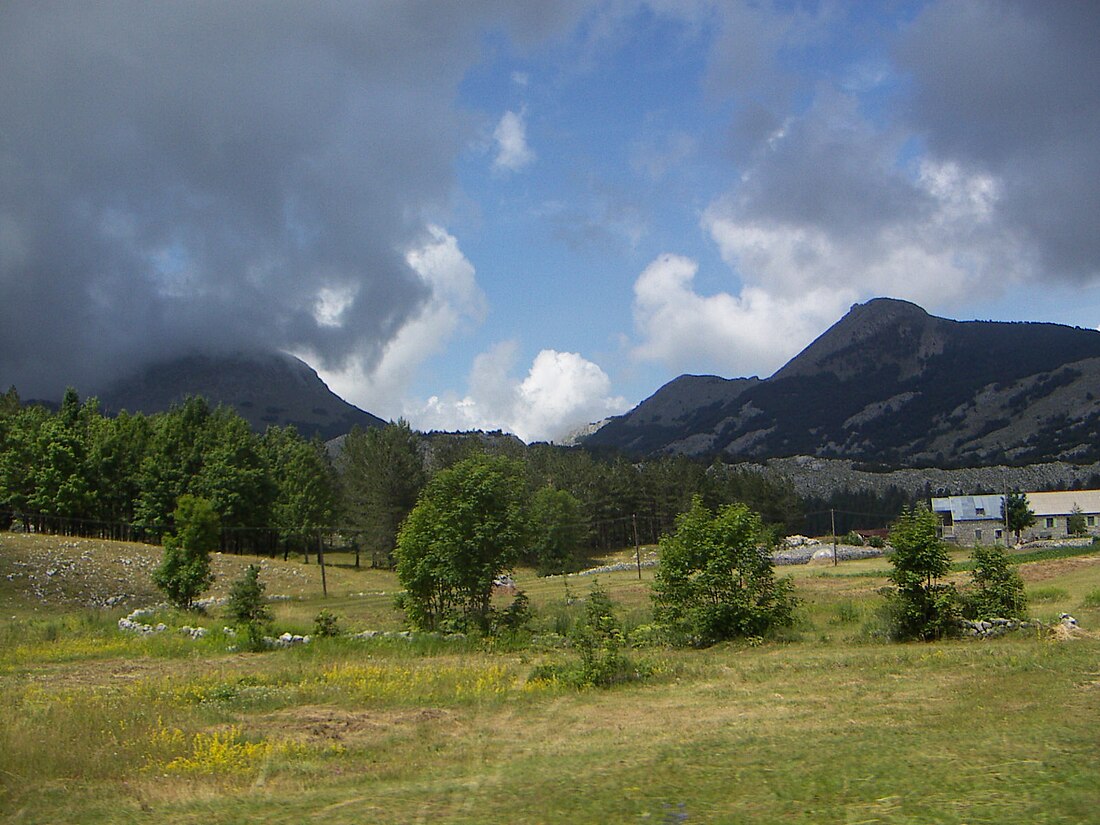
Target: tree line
(78, 471)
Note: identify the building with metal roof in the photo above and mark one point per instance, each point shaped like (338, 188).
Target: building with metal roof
(980, 519)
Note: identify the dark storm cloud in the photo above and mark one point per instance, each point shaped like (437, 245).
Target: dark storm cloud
(193, 175)
(1013, 89)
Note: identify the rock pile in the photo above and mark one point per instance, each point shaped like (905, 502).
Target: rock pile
(133, 623)
(991, 628)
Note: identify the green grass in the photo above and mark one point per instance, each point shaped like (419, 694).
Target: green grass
(819, 725)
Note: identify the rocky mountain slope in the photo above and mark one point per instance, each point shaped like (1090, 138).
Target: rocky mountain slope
(265, 388)
(890, 383)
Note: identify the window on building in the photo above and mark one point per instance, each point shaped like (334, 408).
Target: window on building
(978, 535)
(1050, 522)
(979, 511)
(997, 534)
(1091, 520)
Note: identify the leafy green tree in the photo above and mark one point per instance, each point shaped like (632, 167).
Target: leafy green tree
(172, 463)
(1017, 514)
(116, 450)
(382, 474)
(467, 527)
(922, 606)
(558, 530)
(184, 572)
(20, 454)
(998, 590)
(247, 607)
(1075, 522)
(234, 476)
(716, 581)
(306, 493)
(63, 486)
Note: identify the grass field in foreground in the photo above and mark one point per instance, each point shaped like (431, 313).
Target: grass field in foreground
(821, 726)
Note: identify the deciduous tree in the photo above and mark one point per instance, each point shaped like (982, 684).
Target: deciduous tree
(922, 606)
(467, 527)
(715, 580)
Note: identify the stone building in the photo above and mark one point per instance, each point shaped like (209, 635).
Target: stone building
(980, 520)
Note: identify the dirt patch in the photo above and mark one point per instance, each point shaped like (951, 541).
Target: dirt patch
(1038, 571)
(326, 725)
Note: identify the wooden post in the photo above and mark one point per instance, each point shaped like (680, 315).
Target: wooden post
(637, 546)
(321, 561)
(832, 519)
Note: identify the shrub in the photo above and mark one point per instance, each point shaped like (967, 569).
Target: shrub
(517, 615)
(715, 581)
(878, 542)
(920, 606)
(853, 538)
(998, 590)
(326, 625)
(600, 641)
(248, 608)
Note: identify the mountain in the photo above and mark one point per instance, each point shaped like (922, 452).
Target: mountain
(264, 388)
(890, 383)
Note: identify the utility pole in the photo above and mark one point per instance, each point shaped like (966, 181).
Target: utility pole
(832, 521)
(637, 546)
(321, 561)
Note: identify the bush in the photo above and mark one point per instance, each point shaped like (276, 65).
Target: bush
(715, 580)
(998, 590)
(853, 538)
(599, 639)
(247, 607)
(326, 625)
(878, 542)
(920, 606)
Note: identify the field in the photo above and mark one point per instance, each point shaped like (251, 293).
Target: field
(823, 724)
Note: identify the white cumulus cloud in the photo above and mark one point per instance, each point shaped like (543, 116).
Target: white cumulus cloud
(754, 331)
(512, 151)
(561, 391)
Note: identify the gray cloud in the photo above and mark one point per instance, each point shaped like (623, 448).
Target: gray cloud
(1013, 89)
(182, 176)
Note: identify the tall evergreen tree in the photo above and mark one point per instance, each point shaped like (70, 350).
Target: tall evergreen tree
(382, 474)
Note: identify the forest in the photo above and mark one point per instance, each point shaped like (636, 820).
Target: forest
(77, 471)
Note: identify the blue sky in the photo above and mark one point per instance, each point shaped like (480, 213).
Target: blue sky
(531, 216)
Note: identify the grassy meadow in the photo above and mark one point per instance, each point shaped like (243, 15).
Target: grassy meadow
(822, 724)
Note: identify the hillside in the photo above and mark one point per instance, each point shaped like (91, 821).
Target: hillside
(264, 388)
(890, 383)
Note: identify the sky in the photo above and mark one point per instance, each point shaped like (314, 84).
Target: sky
(530, 216)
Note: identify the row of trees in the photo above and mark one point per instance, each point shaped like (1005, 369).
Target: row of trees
(474, 520)
(80, 472)
(576, 503)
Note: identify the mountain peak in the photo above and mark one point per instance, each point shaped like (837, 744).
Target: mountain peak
(890, 383)
(898, 332)
(265, 388)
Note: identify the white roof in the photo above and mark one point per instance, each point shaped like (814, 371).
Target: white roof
(965, 508)
(1061, 504)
